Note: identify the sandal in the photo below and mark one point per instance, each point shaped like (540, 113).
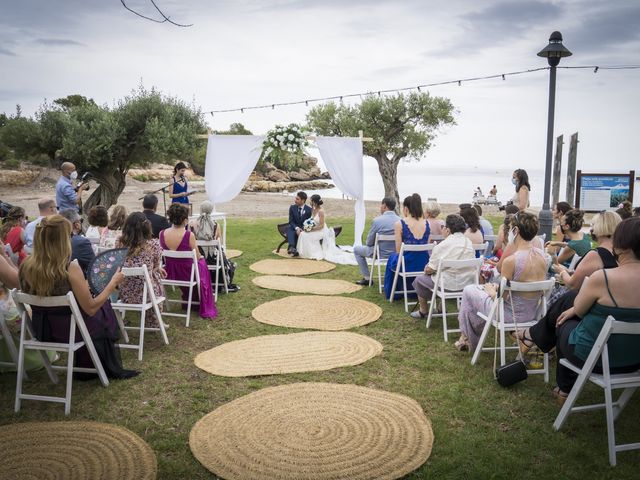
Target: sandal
(461, 345)
(524, 343)
(560, 396)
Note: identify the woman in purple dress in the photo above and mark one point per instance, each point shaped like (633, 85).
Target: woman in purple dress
(178, 238)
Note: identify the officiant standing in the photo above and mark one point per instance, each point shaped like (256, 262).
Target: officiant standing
(179, 188)
(298, 213)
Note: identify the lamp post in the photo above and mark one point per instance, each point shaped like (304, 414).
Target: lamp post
(553, 53)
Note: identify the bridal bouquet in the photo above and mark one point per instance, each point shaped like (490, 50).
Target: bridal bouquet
(309, 224)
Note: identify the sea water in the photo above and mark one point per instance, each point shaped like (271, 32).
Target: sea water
(447, 184)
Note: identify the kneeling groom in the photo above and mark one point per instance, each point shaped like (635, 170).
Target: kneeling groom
(298, 213)
(384, 226)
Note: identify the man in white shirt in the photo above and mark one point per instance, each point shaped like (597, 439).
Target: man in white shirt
(455, 246)
(46, 207)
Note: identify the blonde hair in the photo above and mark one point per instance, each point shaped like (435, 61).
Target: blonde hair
(118, 216)
(605, 223)
(46, 268)
(432, 208)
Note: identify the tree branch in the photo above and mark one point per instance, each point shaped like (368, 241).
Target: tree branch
(165, 18)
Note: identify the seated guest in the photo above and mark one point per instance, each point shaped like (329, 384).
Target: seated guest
(98, 218)
(8, 271)
(46, 207)
(612, 292)
(205, 228)
(603, 225)
(561, 209)
(413, 229)
(143, 250)
(455, 246)
(636, 212)
(485, 225)
(178, 238)
(474, 230)
(158, 222)
(579, 243)
(502, 234)
(113, 231)
(527, 264)
(431, 212)
(384, 225)
(12, 233)
(52, 254)
(624, 210)
(81, 249)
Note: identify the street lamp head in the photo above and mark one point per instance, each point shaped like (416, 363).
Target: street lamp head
(555, 50)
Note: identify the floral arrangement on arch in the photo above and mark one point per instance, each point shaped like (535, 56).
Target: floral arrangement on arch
(284, 146)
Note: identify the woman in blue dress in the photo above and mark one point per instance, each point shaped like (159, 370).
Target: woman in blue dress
(179, 188)
(412, 230)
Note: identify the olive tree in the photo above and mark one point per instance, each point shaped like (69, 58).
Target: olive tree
(402, 126)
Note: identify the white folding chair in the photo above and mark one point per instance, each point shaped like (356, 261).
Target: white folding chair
(23, 300)
(491, 240)
(11, 346)
(218, 267)
(480, 248)
(377, 260)
(574, 261)
(401, 271)
(95, 243)
(436, 238)
(439, 291)
(496, 317)
(149, 301)
(194, 281)
(608, 381)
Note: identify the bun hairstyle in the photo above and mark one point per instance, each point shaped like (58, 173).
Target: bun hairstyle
(625, 211)
(413, 203)
(527, 224)
(316, 199)
(136, 230)
(177, 213)
(574, 219)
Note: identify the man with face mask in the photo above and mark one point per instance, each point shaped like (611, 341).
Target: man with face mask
(66, 196)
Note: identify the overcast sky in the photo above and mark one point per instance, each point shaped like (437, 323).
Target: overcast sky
(246, 52)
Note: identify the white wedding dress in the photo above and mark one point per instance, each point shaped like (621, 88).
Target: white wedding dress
(309, 246)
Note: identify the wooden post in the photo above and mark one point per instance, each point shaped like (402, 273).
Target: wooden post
(571, 169)
(557, 167)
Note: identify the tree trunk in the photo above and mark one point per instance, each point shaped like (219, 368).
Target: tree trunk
(389, 172)
(109, 189)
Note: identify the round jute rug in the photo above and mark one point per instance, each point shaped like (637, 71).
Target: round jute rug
(231, 253)
(74, 450)
(319, 312)
(291, 266)
(305, 285)
(293, 352)
(314, 431)
(282, 253)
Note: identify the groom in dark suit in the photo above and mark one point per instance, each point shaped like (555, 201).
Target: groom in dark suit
(298, 213)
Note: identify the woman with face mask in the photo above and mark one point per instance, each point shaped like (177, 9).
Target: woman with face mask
(525, 263)
(520, 180)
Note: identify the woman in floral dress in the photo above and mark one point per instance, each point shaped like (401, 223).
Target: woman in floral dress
(143, 250)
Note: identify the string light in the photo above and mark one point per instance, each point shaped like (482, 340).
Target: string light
(419, 87)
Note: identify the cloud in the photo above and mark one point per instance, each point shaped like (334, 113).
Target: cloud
(7, 52)
(58, 42)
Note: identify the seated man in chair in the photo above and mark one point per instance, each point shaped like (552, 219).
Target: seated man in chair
(298, 213)
(384, 225)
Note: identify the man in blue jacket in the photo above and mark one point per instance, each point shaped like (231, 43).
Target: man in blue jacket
(81, 248)
(298, 213)
(383, 225)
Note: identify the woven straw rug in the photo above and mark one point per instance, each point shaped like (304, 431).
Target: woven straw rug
(317, 312)
(282, 253)
(314, 431)
(231, 253)
(294, 352)
(292, 266)
(306, 285)
(74, 451)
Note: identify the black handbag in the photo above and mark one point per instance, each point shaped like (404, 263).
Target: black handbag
(511, 373)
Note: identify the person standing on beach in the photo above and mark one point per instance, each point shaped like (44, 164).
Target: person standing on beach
(298, 213)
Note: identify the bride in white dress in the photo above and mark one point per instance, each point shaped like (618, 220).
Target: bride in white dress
(310, 245)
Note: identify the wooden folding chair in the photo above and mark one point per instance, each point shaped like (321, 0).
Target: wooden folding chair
(29, 342)
(148, 302)
(627, 382)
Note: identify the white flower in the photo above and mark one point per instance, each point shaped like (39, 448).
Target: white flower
(280, 137)
(290, 137)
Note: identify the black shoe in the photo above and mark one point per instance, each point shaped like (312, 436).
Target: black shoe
(290, 250)
(364, 282)
(294, 252)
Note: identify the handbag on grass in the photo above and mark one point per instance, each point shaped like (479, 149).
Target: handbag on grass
(509, 373)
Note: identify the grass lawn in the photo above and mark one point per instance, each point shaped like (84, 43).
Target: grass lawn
(481, 430)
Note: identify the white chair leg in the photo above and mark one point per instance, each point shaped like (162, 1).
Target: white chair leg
(189, 305)
(434, 299)
(20, 373)
(483, 337)
(624, 398)
(503, 351)
(93, 354)
(120, 317)
(545, 362)
(393, 285)
(69, 387)
(141, 338)
(611, 435)
(444, 319)
(379, 278)
(406, 296)
(163, 331)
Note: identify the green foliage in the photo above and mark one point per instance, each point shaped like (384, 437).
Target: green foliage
(22, 135)
(234, 129)
(402, 126)
(71, 101)
(53, 124)
(284, 146)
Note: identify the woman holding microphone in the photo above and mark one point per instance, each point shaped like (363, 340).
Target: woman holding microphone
(179, 188)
